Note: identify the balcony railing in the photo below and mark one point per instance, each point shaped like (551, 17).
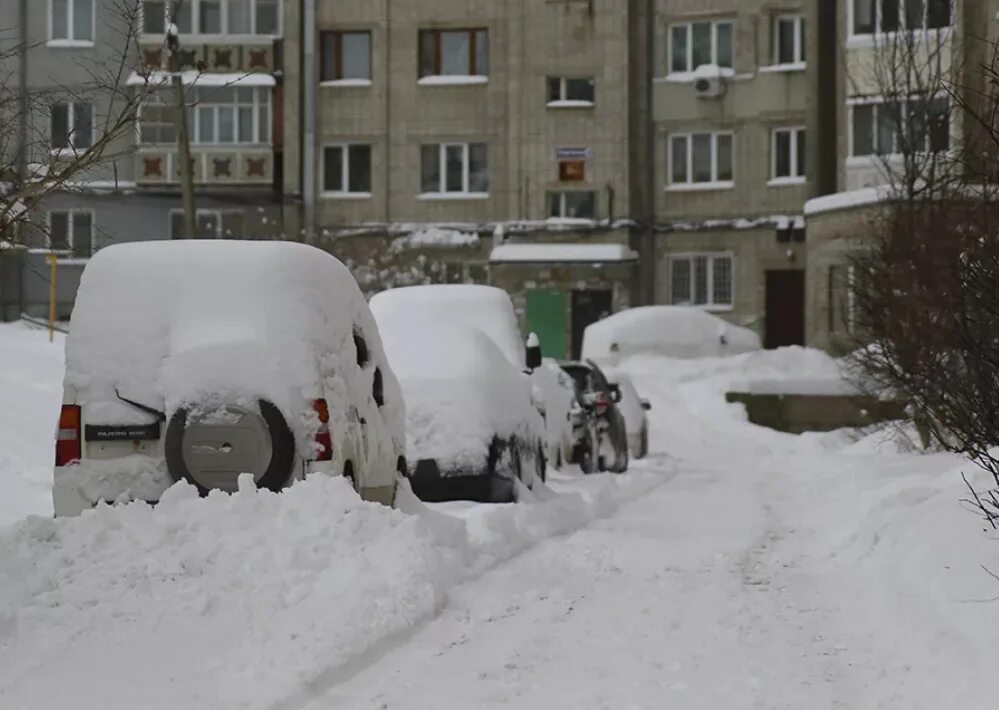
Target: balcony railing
(212, 165)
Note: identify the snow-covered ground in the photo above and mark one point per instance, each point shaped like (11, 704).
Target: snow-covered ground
(736, 567)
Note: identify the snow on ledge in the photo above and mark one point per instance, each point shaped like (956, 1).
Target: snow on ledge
(445, 196)
(781, 68)
(452, 80)
(436, 237)
(347, 83)
(196, 78)
(533, 253)
(846, 200)
(570, 103)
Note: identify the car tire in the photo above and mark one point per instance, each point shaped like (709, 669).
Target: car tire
(643, 448)
(279, 469)
(590, 459)
(501, 488)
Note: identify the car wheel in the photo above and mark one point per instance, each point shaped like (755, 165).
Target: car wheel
(643, 449)
(211, 455)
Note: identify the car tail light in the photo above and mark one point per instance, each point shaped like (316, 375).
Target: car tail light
(68, 440)
(601, 404)
(324, 442)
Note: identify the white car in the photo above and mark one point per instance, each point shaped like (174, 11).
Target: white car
(204, 360)
(555, 396)
(671, 331)
(471, 426)
(633, 408)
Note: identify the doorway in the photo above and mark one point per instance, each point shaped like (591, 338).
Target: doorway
(588, 307)
(785, 308)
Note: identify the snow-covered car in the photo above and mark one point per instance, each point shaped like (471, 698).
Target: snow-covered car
(204, 360)
(490, 310)
(633, 409)
(471, 426)
(673, 331)
(600, 434)
(556, 397)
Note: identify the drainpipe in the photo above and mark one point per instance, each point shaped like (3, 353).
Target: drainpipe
(308, 143)
(22, 128)
(647, 269)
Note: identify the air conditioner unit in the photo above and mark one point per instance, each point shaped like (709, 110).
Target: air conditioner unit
(709, 87)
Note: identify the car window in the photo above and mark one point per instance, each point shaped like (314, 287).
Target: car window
(361, 347)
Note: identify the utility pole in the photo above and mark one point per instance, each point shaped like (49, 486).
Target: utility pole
(183, 138)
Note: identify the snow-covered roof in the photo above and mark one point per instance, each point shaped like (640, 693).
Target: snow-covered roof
(196, 78)
(533, 253)
(433, 236)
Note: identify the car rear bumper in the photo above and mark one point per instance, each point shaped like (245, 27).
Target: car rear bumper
(432, 484)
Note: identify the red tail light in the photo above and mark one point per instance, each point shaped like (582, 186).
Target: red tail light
(69, 446)
(324, 442)
(600, 405)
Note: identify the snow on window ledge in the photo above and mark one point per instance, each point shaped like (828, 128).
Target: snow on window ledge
(347, 83)
(785, 181)
(445, 196)
(571, 222)
(707, 71)
(700, 186)
(709, 307)
(782, 68)
(868, 41)
(452, 80)
(345, 195)
(570, 103)
(77, 43)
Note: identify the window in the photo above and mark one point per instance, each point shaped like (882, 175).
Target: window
(215, 17)
(701, 280)
(71, 21)
(156, 121)
(347, 169)
(788, 154)
(910, 126)
(454, 168)
(694, 44)
(345, 55)
(577, 91)
(700, 158)
(211, 224)
(71, 126)
(789, 39)
(72, 231)
(871, 16)
(454, 53)
(223, 115)
(572, 205)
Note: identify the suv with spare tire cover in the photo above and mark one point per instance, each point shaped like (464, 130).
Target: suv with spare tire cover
(206, 361)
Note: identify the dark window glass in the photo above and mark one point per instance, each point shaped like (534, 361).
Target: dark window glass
(59, 125)
(938, 13)
(580, 90)
(800, 156)
(863, 130)
(359, 165)
(430, 168)
(59, 231)
(153, 17)
(863, 17)
(333, 169)
(889, 15)
(678, 46)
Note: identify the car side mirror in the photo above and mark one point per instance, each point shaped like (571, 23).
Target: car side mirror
(615, 393)
(532, 355)
(646, 405)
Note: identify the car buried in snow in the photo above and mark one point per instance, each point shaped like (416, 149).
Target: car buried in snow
(633, 409)
(472, 426)
(599, 431)
(204, 360)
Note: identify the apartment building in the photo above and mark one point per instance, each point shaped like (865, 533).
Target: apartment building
(485, 141)
(735, 114)
(81, 61)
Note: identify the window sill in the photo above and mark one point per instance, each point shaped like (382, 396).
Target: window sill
(452, 80)
(70, 43)
(701, 186)
(571, 221)
(347, 83)
(784, 68)
(686, 77)
(868, 41)
(452, 196)
(345, 195)
(786, 181)
(566, 103)
(710, 308)
(159, 38)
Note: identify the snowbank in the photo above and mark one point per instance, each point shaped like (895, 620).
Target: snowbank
(674, 331)
(433, 236)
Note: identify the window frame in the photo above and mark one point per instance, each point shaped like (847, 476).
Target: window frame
(442, 171)
(438, 55)
(876, 102)
(70, 40)
(689, 184)
(563, 101)
(689, 59)
(798, 50)
(712, 257)
(71, 109)
(562, 195)
(71, 231)
(902, 23)
(218, 212)
(336, 36)
(195, 105)
(347, 193)
(195, 6)
(793, 178)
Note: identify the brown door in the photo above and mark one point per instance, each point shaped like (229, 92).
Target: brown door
(588, 307)
(785, 309)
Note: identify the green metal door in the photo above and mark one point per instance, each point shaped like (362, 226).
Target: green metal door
(547, 315)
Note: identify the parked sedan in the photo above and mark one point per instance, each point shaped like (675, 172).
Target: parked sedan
(600, 435)
(633, 408)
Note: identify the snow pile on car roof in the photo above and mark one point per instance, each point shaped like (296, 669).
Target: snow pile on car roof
(674, 331)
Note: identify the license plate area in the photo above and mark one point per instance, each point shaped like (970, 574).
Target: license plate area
(129, 432)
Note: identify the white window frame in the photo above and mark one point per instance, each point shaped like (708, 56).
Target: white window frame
(563, 101)
(878, 101)
(689, 184)
(70, 236)
(346, 193)
(194, 125)
(71, 29)
(562, 194)
(72, 148)
(878, 32)
(465, 173)
(799, 35)
(690, 44)
(217, 212)
(195, 6)
(711, 256)
(793, 178)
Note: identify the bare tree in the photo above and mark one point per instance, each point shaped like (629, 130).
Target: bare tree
(31, 167)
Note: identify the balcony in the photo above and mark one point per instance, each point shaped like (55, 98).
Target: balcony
(228, 55)
(213, 165)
